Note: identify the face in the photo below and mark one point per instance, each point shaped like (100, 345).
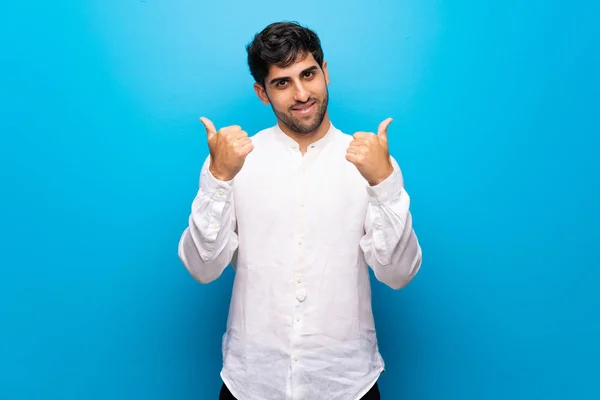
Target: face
(298, 94)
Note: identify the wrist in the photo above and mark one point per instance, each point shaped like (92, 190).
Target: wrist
(383, 176)
(219, 175)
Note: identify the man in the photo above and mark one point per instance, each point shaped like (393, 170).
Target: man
(300, 210)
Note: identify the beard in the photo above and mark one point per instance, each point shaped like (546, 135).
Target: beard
(300, 125)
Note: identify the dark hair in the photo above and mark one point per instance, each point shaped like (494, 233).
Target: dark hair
(281, 43)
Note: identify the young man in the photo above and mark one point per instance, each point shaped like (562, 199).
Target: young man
(300, 210)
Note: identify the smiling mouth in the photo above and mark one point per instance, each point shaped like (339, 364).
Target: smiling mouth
(305, 108)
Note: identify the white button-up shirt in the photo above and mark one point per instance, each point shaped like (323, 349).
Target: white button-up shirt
(301, 232)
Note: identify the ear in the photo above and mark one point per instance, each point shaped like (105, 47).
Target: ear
(260, 92)
(325, 72)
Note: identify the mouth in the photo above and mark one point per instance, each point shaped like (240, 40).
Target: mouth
(305, 108)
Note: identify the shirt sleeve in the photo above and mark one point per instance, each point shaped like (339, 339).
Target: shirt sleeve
(389, 243)
(209, 242)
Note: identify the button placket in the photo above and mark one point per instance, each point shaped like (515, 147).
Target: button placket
(300, 248)
(300, 288)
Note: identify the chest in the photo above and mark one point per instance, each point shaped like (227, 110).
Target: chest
(321, 190)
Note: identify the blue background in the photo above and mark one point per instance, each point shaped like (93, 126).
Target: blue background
(495, 108)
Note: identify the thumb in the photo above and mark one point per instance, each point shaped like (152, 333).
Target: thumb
(210, 127)
(382, 130)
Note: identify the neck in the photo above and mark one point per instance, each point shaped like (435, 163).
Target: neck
(305, 139)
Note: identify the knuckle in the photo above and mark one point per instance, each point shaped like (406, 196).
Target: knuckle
(231, 129)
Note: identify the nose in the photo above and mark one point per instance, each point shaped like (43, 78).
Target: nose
(301, 94)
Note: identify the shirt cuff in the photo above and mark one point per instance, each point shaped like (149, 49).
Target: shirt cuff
(217, 189)
(386, 190)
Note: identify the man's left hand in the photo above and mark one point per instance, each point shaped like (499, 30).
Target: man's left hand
(370, 154)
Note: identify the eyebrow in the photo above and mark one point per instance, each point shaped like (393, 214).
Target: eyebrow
(282, 78)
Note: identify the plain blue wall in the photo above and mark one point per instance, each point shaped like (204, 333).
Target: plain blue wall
(496, 128)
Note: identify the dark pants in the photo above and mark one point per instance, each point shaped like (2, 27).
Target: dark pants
(372, 394)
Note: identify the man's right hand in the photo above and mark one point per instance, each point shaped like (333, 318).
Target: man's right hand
(228, 149)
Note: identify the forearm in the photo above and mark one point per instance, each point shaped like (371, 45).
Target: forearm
(390, 244)
(209, 242)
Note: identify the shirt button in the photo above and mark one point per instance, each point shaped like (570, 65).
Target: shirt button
(221, 192)
(299, 241)
(298, 319)
(299, 280)
(295, 358)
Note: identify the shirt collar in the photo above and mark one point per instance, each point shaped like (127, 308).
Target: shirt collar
(289, 142)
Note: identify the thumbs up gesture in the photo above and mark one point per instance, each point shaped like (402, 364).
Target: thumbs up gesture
(228, 149)
(370, 154)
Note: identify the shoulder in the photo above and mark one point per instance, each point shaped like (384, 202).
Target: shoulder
(344, 137)
(341, 138)
(262, 136)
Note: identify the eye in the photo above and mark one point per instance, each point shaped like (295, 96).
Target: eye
(281, 83)
(309, 74)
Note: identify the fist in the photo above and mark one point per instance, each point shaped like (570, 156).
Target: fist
(370, 154)
(228, 149)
